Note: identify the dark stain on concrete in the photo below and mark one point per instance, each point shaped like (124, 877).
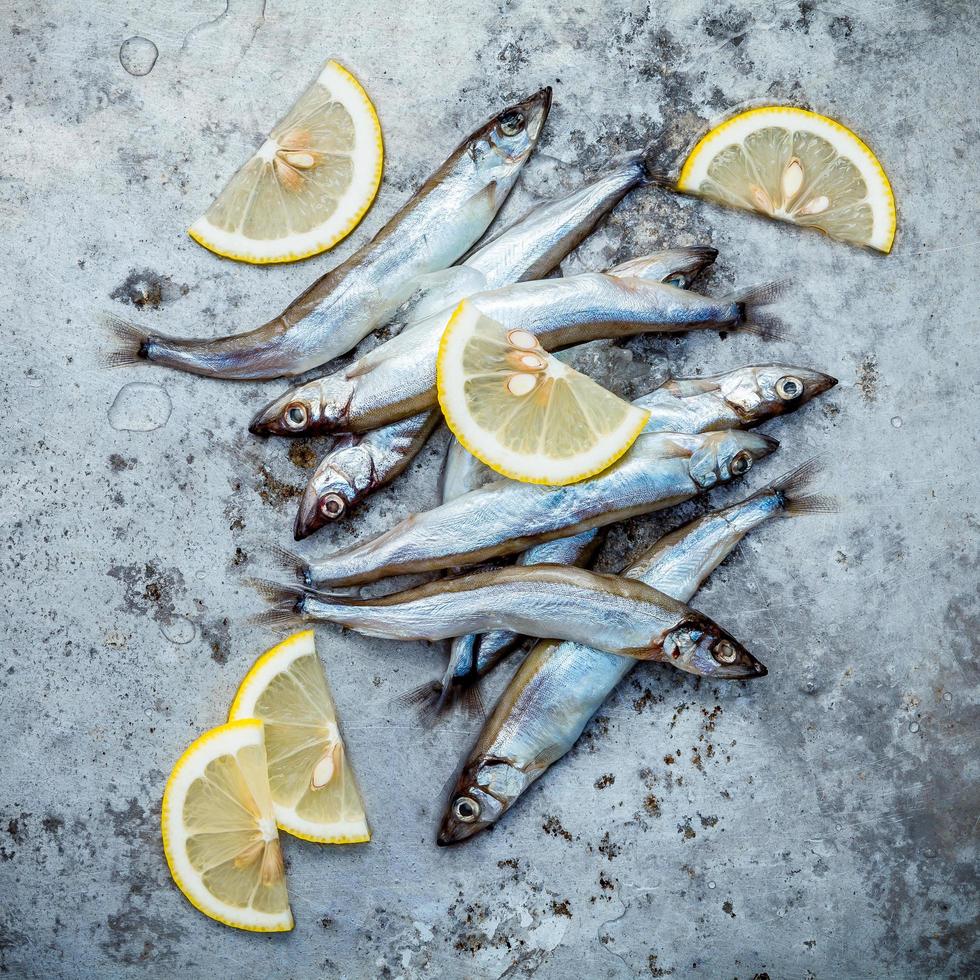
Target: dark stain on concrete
(302, 454)
(146, 289)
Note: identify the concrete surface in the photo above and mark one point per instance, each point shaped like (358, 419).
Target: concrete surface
(830, 828)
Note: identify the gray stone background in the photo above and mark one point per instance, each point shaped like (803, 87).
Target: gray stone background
(830, 829)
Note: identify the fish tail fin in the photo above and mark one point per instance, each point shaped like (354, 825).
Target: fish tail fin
(431, 702)
(286, 602)
(130, 341)
(291, 563)
(794, 487)
(653, 171)
(424, 700)
(753, 320)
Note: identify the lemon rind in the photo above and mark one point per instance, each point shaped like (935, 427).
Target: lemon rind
(882, 239)
(442, 393)
(179, 779)
(270, 663)
(228, 245)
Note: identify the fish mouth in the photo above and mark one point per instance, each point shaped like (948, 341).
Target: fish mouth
(536, 108)
(766, 446)
(265, 421)
(817, 383)
(308, 516)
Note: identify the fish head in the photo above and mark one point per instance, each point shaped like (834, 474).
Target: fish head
(762, 391)
(336, 487)
(721, 456)
(482, 793)
(317, 406)
(674, 266)
(507, 141)
(700, 646)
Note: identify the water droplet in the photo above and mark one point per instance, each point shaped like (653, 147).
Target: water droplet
(897, 422)
(947, 696)
(31, 379)
(140, 407)
(711, 884)
(914, 727)
(138, 55)
(179, 630)
(838, 827)
(780, 913)
(276, 74)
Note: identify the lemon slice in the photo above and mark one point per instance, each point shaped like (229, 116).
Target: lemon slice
(310, 182)
(219, 830)
(314, 792)
(523, 412)
(795, 166)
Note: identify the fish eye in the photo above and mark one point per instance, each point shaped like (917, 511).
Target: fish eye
(332, 506)
(512, 122)
(741, 462)
(789, 388)
(295, 415)
(724, 652)
(466, 809)
(678, 281)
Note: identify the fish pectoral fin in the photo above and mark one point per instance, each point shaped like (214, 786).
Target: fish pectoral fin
(675, 449)
(689, 387)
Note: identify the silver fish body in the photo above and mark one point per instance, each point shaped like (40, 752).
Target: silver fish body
(507, 517)
(560, 686)
(490, 648)
(439, 223)
(559, 312)
(619, 615)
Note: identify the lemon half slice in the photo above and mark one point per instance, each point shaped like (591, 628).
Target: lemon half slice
(523, 412)
(795, 166)
(310, 182)
(314, 791)
(219, 830)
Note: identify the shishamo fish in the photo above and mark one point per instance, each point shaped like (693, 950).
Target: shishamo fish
(560, 686)
(439, 223)
(559, 312)
(506, 517)
(358, 466)
(618, 615)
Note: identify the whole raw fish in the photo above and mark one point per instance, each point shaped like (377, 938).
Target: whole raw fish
(560, 686)
(358, 466)
(439, 223)
(506, 517)
(559, 312)
(618, 615)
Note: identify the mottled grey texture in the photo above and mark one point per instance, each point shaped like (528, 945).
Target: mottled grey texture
(818, 823)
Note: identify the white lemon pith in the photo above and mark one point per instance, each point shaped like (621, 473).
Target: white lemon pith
(796, 166)
(315, 795)
(308, 185)
(219, 830)
(523, 412)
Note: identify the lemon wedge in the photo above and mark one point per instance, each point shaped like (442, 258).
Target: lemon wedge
(314, 792)
(795, 166)
(219, 830)
(523, 412)
(310, 182)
